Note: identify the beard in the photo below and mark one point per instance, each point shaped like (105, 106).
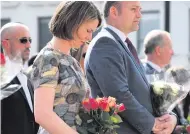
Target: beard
(16, 58)
(13, 66)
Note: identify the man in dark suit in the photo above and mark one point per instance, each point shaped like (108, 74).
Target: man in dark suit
(113, 69)
(17, 110)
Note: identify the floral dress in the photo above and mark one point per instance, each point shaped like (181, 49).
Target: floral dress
(53, 69)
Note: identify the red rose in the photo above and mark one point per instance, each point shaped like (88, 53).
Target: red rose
(2, 59)
(93, 104)
(121, 107)
(104, 105)
(98, 99)
(86, 104)
(188, 129)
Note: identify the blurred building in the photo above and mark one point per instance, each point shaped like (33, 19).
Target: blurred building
(173, 16)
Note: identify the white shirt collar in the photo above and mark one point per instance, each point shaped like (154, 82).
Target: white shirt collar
(153, 65)
(118, 32)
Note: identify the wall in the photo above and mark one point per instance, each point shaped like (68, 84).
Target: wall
(180, 31)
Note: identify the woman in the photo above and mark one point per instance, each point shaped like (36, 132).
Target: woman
(59, 82)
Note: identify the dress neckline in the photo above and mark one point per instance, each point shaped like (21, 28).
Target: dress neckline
(49, 46)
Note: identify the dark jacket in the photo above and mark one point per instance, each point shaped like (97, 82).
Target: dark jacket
(16, 115)
(112, 71)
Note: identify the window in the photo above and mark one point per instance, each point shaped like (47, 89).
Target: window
(149, 21)
(44, 33)
(4, 21)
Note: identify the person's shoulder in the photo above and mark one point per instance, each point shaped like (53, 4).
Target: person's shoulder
(103, 37)
(103, 33)
(47, 56)
(144, 62)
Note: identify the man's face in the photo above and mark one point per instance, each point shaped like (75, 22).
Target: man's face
(20, 42)
(166, 51)
(129, 16)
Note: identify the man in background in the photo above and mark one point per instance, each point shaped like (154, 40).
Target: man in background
(17, 110)
(158, 50)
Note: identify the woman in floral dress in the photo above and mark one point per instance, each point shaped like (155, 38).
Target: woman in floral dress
(58, 79)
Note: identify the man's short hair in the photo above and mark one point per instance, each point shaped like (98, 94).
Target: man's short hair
(70, 15)
(153, 39)
(108, 5)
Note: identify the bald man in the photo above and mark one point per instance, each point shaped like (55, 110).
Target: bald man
(17, 110)
(16, 41)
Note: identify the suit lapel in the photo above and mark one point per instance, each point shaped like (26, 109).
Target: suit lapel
(151, 70)
(138, 66)
(16, 81)
(21, 90)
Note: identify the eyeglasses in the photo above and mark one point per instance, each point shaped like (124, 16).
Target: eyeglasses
(24, 40)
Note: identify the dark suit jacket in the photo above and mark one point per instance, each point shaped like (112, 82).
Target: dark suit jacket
(112, 71)
(150, 71)
(16, 115)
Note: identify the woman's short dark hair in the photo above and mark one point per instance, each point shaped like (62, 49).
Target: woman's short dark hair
(70, 15)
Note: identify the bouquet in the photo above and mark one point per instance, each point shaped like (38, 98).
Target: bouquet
(100, 116)
(6, 88)
(166, 94)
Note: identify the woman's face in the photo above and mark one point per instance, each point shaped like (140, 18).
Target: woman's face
(84, 32)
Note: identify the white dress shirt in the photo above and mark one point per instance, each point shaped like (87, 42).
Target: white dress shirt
(121, 35)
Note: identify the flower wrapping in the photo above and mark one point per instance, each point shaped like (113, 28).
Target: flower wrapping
(166, 94)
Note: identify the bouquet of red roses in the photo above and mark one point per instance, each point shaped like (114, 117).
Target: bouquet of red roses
(100, 116)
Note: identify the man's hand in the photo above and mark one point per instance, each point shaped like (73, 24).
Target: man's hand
(165, 124)
(158, 125)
